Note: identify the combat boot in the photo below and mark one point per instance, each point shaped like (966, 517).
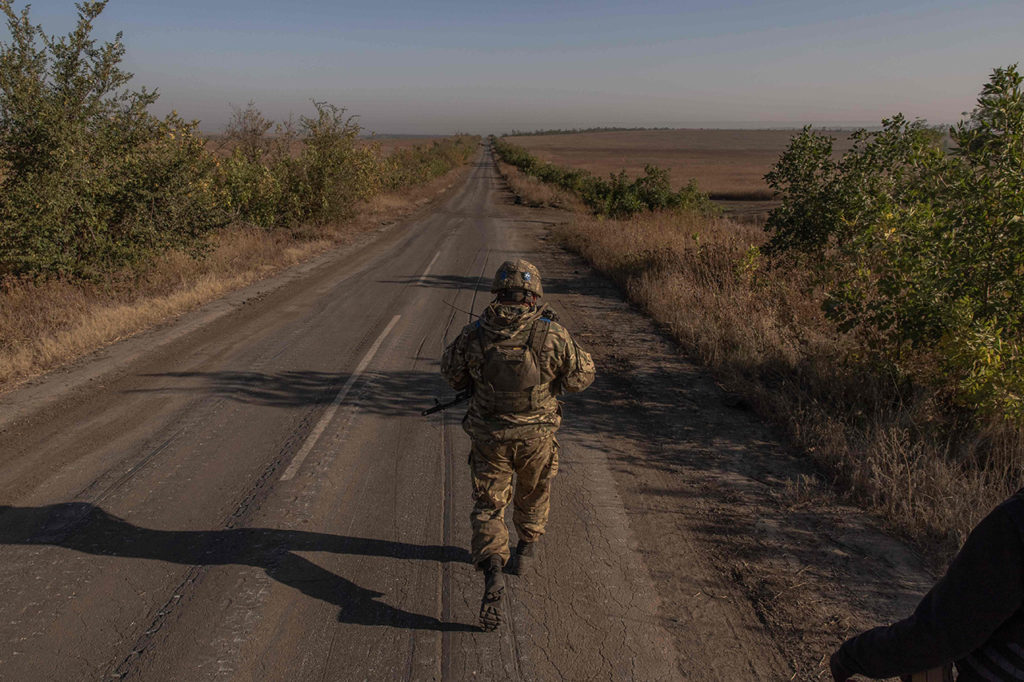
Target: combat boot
(524, 557)
(494, 590)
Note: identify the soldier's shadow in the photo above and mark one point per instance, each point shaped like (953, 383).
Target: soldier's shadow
(89, 529)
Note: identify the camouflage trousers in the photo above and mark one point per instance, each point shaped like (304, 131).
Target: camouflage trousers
(534, 463)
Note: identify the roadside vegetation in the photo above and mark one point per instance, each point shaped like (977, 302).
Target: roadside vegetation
(730, 164)
(618, 196)
(112, 219)
(878, 319)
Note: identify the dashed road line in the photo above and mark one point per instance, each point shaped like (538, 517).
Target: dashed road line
(318, 430)
(426, 272)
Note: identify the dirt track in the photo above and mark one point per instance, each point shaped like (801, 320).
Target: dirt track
(250, 493)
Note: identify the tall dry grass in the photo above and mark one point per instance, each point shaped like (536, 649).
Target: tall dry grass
(49, 324)
(535, 193)
(897, 449)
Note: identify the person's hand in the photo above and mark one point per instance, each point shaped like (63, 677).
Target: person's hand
(839, 671)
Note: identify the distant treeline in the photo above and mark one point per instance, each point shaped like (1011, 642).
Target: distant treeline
(618, 196)
(571, 131)
(90, 181)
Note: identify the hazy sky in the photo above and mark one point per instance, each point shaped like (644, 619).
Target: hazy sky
(438, 67)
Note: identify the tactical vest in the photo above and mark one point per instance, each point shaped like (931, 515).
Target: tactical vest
(510, 375)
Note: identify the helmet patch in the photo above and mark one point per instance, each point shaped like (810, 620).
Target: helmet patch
(517, 274)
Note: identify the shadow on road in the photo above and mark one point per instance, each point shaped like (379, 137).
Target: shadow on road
(89, 529)
(388, 393)
(552, 285)
(454, 282)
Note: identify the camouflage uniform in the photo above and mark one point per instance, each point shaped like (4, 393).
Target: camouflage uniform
(513, 427)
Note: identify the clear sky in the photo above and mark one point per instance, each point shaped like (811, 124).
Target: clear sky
(442, 66)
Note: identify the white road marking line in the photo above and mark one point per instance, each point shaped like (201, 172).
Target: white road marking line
(318, 430)
(426, 272)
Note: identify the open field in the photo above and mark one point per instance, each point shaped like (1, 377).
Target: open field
(728, 164)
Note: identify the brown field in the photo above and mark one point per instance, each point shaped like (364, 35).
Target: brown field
(728, 164)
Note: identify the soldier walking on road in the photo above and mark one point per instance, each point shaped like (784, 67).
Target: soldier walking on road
(517, 360)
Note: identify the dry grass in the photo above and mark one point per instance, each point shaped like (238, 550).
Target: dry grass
(53, 323)
(533, 192)
(762, 331)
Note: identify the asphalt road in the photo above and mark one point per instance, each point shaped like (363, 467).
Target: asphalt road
(252, 494)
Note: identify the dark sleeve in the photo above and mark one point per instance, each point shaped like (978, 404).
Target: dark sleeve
(982, 588)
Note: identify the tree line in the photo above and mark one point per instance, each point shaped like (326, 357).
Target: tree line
(617, 196)
(91, 181)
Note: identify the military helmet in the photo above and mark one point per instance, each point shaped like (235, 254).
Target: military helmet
(517, 275)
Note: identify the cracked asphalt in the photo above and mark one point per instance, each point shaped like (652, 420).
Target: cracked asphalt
(250, 492)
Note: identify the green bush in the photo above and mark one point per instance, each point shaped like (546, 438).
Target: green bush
(420, 163)
(268, 185)
(89, 180)
(254, 194)
(920, 248)
(331, 174)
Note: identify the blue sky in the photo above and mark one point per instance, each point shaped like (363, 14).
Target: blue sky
(438, 67)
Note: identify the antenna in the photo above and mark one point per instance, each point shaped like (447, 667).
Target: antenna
(471, 315)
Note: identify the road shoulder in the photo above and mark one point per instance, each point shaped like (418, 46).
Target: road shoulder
(724, 512)
(33, 397)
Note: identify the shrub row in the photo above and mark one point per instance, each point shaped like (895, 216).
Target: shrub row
(618, 196)
(419, 164)
(91, 182)
(267, 184)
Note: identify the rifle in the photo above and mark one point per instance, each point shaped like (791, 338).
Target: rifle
(941, 674)
(460, 397)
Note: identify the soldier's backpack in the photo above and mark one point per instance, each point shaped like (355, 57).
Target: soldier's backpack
(511, 379)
